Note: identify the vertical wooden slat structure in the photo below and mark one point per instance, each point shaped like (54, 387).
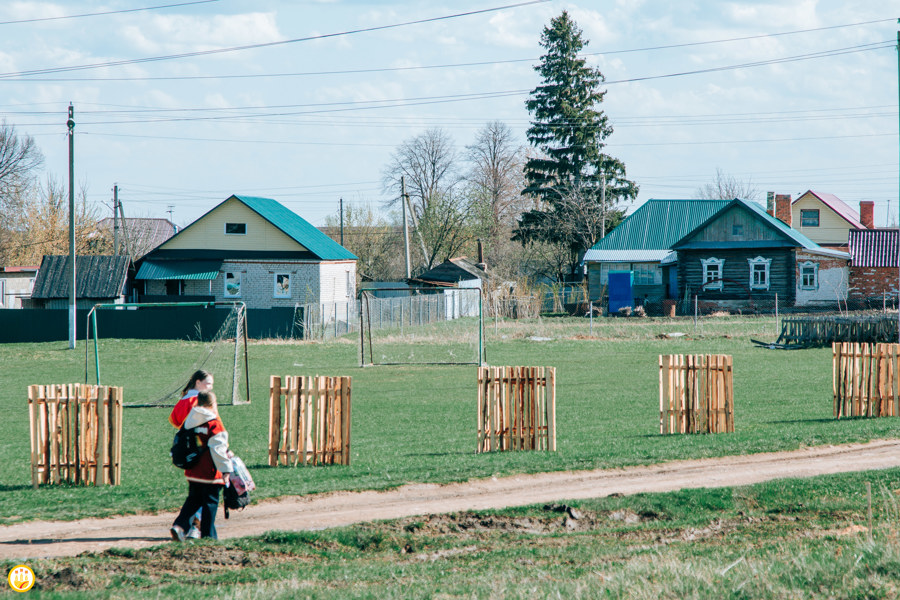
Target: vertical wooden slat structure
(309, 420)
(864, 380)
(76, 434)
(696, 394)
(516, 408)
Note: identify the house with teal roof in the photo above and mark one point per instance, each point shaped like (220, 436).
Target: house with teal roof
(742, 258)
(253, 250)
(642, 244)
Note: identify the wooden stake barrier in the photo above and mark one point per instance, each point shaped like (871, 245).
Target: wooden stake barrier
(76, 434)
(516, 408)
(695, 393)
(309, 420)
(865, 380)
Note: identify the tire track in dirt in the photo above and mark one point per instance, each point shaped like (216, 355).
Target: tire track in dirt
(69, 538)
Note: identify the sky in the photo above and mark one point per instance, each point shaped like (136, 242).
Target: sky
(182, 103)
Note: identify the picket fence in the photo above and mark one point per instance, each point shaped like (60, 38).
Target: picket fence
(696, 394)
(516, 408)
(309, 420)
(76, 434)
(865, 380)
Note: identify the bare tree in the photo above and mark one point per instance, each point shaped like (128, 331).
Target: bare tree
(445, 228)
(20, 161)
(727, 187)
(429, 162)
(376, 241)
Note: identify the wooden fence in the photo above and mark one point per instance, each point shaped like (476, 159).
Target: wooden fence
(309, 420)
(76, 434)
(516, 408)
(696, 394)
(824, 330)
(865, 380)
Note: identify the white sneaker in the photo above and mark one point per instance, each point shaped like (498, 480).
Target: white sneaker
(193, 533)
(177, 533)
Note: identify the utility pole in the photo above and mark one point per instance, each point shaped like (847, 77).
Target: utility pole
(603, 204)
(342, 221)
(70, 123)
(403, 201)
(898, 204)
(116, 219)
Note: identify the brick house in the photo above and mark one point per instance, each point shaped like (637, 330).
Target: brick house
(873, 264)
(253, 250)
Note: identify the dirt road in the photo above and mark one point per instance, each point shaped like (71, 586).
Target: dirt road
(68, 538)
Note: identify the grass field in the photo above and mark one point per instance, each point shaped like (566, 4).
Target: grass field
(417, 424)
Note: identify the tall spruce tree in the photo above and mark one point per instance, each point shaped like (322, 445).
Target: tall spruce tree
(568, 131)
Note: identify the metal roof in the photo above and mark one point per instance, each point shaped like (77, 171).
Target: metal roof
(658, 224)
(792, 235)
(96, 277)
(298, 228)
(873, 247)
(593, 255)
(179, 269)
(838, 206)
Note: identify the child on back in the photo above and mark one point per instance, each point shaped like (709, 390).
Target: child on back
(210, 475)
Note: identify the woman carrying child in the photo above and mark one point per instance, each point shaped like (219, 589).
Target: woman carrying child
(210, 475)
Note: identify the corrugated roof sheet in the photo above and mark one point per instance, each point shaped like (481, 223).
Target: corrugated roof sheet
(179, 269)
(658, 224)
(874, 247)
(295, 226)
(96, 277)
(593, 255)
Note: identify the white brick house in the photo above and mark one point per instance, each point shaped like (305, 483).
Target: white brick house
(250, 249)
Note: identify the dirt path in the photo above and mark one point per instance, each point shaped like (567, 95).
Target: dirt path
(68, 538)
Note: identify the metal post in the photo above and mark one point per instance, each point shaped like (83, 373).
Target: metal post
(591, 309)
(72, 290)
(776, 313)
(695, 312)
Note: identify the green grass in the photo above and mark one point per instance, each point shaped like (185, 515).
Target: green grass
(417, 424)
(786, 539)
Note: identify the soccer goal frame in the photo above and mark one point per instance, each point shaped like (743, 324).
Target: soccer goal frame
(366, 298)
(236, 351)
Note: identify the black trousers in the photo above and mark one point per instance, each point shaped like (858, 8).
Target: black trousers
(205, 497)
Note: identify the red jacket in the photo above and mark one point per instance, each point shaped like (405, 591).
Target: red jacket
(182, 408)
(211, 434)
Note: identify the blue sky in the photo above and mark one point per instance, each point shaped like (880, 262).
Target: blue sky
(310, 121)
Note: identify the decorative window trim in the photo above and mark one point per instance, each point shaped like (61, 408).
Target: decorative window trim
(815, 275)
(279, 289)
(708, 264)
(236, 229)
(234, 289)
(759, 261)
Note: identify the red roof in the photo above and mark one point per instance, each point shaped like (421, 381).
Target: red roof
(19, 269)
(838, 206)
(873, 247)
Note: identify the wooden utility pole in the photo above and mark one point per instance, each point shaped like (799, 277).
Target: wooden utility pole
(116, 219)
(70, 123)
(403, 201)
(342, 221)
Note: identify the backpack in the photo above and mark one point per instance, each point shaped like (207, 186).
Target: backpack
(237, 493)
(186, 450)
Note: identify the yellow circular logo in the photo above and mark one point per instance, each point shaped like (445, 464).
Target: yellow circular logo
(21, 578)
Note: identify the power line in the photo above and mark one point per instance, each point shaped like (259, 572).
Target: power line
(134, 61)
(444, 66)
(104, 13)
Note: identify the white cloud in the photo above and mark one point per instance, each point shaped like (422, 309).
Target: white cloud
(173, 34)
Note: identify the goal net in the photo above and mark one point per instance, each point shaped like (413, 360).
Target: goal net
(224, 355)
(404, 326)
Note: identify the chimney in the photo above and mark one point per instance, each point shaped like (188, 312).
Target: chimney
(480, 264)
(770, 203)
(867, 213)
(783, 208)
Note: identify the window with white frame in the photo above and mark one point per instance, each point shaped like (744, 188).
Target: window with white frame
(809, 218)
(809, 275)
(759, 272)
(605, 268)
(712, 273)
(348, 289)
(232, 285)
(646, 273)
(282, 285)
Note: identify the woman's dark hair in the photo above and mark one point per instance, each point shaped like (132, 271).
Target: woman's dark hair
(192, 382)
(205, 399)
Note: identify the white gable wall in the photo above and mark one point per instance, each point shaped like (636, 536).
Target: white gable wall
(338, 281)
